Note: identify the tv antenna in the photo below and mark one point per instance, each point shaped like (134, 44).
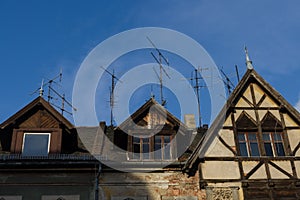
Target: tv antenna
(237, 73)
(111, 96)
(197, 86)
(162, 70)
(227, 82)
(51, 90)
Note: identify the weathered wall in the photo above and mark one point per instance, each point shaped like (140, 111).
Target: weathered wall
(169, 185)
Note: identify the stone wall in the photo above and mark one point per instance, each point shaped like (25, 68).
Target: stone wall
(170, 185)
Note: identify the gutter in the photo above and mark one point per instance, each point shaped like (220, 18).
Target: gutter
(97, 182)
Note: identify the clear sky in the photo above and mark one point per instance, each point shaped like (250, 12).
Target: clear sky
(37, 38)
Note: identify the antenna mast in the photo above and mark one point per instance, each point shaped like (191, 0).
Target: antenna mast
(197, 89)
(161, 70)
(111, 97)
(227, 82)
(52, 90)
(237, 73)
(198, 96)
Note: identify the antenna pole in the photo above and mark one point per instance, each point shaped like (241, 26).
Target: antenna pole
(237, 73)
(111, 98)
(198, 96)
(228, 83)
(49, 90)
(161, 70)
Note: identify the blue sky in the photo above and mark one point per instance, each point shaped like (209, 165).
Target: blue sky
(37, 38)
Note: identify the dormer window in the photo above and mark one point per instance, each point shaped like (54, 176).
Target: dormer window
(36, 144)
(162, 147)
(141, 148)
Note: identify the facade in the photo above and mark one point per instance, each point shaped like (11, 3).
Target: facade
(251, 151)
(41, 157)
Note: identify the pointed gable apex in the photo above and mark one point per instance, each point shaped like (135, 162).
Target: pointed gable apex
(41, 103)
(140, 115)
(251, 76)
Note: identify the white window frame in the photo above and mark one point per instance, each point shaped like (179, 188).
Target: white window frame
(49, 139)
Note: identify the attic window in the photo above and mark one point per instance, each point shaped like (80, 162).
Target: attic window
(273, 144)
(248, 144)
(36, 144)
(141, 148)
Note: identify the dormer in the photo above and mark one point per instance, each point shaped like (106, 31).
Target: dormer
(149, 134)
(37, 130)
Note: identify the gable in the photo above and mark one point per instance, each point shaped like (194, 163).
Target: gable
(38, 114)
(40, 119)
(252, 104)
(37, 122)
(151, 115)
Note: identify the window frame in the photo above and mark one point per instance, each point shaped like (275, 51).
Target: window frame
(36, 133)
(151, 148)
(273, 143)
(248, 142)
(162, 147)
(141, 147)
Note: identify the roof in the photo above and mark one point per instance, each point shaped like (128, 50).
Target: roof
(39, 101)
(250, 76)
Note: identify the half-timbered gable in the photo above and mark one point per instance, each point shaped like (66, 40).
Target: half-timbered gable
(251, 150)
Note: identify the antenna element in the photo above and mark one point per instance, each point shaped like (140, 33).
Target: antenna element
(161, 70)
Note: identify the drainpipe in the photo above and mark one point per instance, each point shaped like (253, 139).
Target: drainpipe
(97, 182)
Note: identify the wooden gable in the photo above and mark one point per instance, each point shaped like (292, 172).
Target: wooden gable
(151, 116)
(152, 121)
(37, 114)
(38, 117)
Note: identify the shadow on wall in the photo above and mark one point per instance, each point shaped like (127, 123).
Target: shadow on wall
(168, 185)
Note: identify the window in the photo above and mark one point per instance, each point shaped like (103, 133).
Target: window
(248, 144)
(162, 147)
(141, 148)
(36, 144)
(273, 144)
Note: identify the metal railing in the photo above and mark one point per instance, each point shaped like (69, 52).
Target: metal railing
(4, 157)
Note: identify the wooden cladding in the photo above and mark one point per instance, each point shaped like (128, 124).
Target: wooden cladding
(18, 135)
(40, 119)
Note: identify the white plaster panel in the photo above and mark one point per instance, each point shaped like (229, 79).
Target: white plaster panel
(268, 102)
(227, 136)
(276, 114)
(257, 92)
(220, 169)
(251, 113)
(249, 165)
(288, 120)
(228, 121)
(261, 114)
(248, 95)
(294, 139)
(217, 149)
(242, 103)
(285, 165)
(260, 173)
